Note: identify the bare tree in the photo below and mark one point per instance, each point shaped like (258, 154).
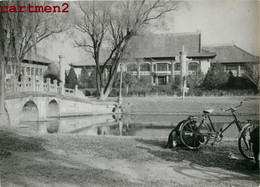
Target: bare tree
(22, 32)
(111, 26)
(252, 73)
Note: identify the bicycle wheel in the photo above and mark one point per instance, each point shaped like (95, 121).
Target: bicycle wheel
(193, 137)
(244, 144)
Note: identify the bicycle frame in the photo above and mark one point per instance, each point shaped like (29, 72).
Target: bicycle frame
(212, 126)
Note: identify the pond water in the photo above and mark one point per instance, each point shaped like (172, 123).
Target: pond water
(148, 126)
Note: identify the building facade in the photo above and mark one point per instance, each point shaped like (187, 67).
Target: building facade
(232, 58)
(156, 56)
(32, 67)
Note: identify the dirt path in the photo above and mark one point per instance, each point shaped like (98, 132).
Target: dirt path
(73, 160)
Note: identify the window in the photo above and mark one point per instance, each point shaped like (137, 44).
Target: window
(37, 71)
(145, 67)
(40, 71)
(231, 67)
(242, 67)
(193, 66)
(131, 67)
(162, 67)
(22, 70)
(8, 69)
(177, 67)
(169, 66)
(27, 70)
(32, 71)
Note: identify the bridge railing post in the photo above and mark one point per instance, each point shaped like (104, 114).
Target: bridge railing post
(55, 86)
(14, 84)
(41, 84)
(33, 83)
(62, 88)
(23, 85)
(76, 89)
(48, 84)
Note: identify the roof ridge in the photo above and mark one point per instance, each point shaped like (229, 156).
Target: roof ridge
(179, 33)
(217, 45)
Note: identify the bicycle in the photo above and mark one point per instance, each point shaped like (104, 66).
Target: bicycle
(194, 134)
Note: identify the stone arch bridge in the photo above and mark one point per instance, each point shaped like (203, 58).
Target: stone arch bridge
(29, 107)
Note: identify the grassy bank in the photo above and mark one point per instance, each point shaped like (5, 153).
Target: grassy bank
(75, 160)
(190, 104)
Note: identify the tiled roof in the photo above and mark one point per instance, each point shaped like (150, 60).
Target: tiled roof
(230, 53)
(158, 46)
(37, 58)
(167, 45)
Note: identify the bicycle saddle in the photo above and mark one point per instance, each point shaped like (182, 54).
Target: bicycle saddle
(208, 111)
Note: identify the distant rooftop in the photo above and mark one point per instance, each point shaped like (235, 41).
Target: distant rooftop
(230, 54)
(167, 45)
(37, 58)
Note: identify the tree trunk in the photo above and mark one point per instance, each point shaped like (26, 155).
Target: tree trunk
(104, 95)
(2, 92)
(2, 73)
(126, 89)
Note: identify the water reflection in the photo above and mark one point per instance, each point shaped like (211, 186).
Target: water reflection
(116, 125)
(95, 125)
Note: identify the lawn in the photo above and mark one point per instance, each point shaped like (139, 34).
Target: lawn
(190, 105)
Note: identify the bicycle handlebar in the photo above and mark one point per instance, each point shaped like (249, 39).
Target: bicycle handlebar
(233, 108)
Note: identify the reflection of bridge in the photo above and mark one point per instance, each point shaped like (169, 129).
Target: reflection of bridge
(34, 106)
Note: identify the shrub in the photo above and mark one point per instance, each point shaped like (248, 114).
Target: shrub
(87, 93)
(72, 79)
(84, 77)
(52, 72)
(145, 80)
(216, 77)
(195, 79)
(195, 92)
(113, 93)
(239, 83)
(95, 93)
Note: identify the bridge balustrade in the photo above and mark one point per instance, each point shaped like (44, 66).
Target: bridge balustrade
(30, 85)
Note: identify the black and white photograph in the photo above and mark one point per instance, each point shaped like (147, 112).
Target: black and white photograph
(129, 93)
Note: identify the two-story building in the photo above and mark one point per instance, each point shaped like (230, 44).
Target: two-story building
(156, 56)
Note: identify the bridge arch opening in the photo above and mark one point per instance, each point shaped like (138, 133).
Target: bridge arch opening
(53, 109)
(29, 112)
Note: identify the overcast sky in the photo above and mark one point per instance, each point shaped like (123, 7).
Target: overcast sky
(220, 22)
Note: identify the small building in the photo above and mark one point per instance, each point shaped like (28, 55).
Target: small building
(32, 66)
(232, 58)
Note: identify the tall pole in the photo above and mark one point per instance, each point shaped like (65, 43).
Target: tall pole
(183, 55)
(120, 99)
